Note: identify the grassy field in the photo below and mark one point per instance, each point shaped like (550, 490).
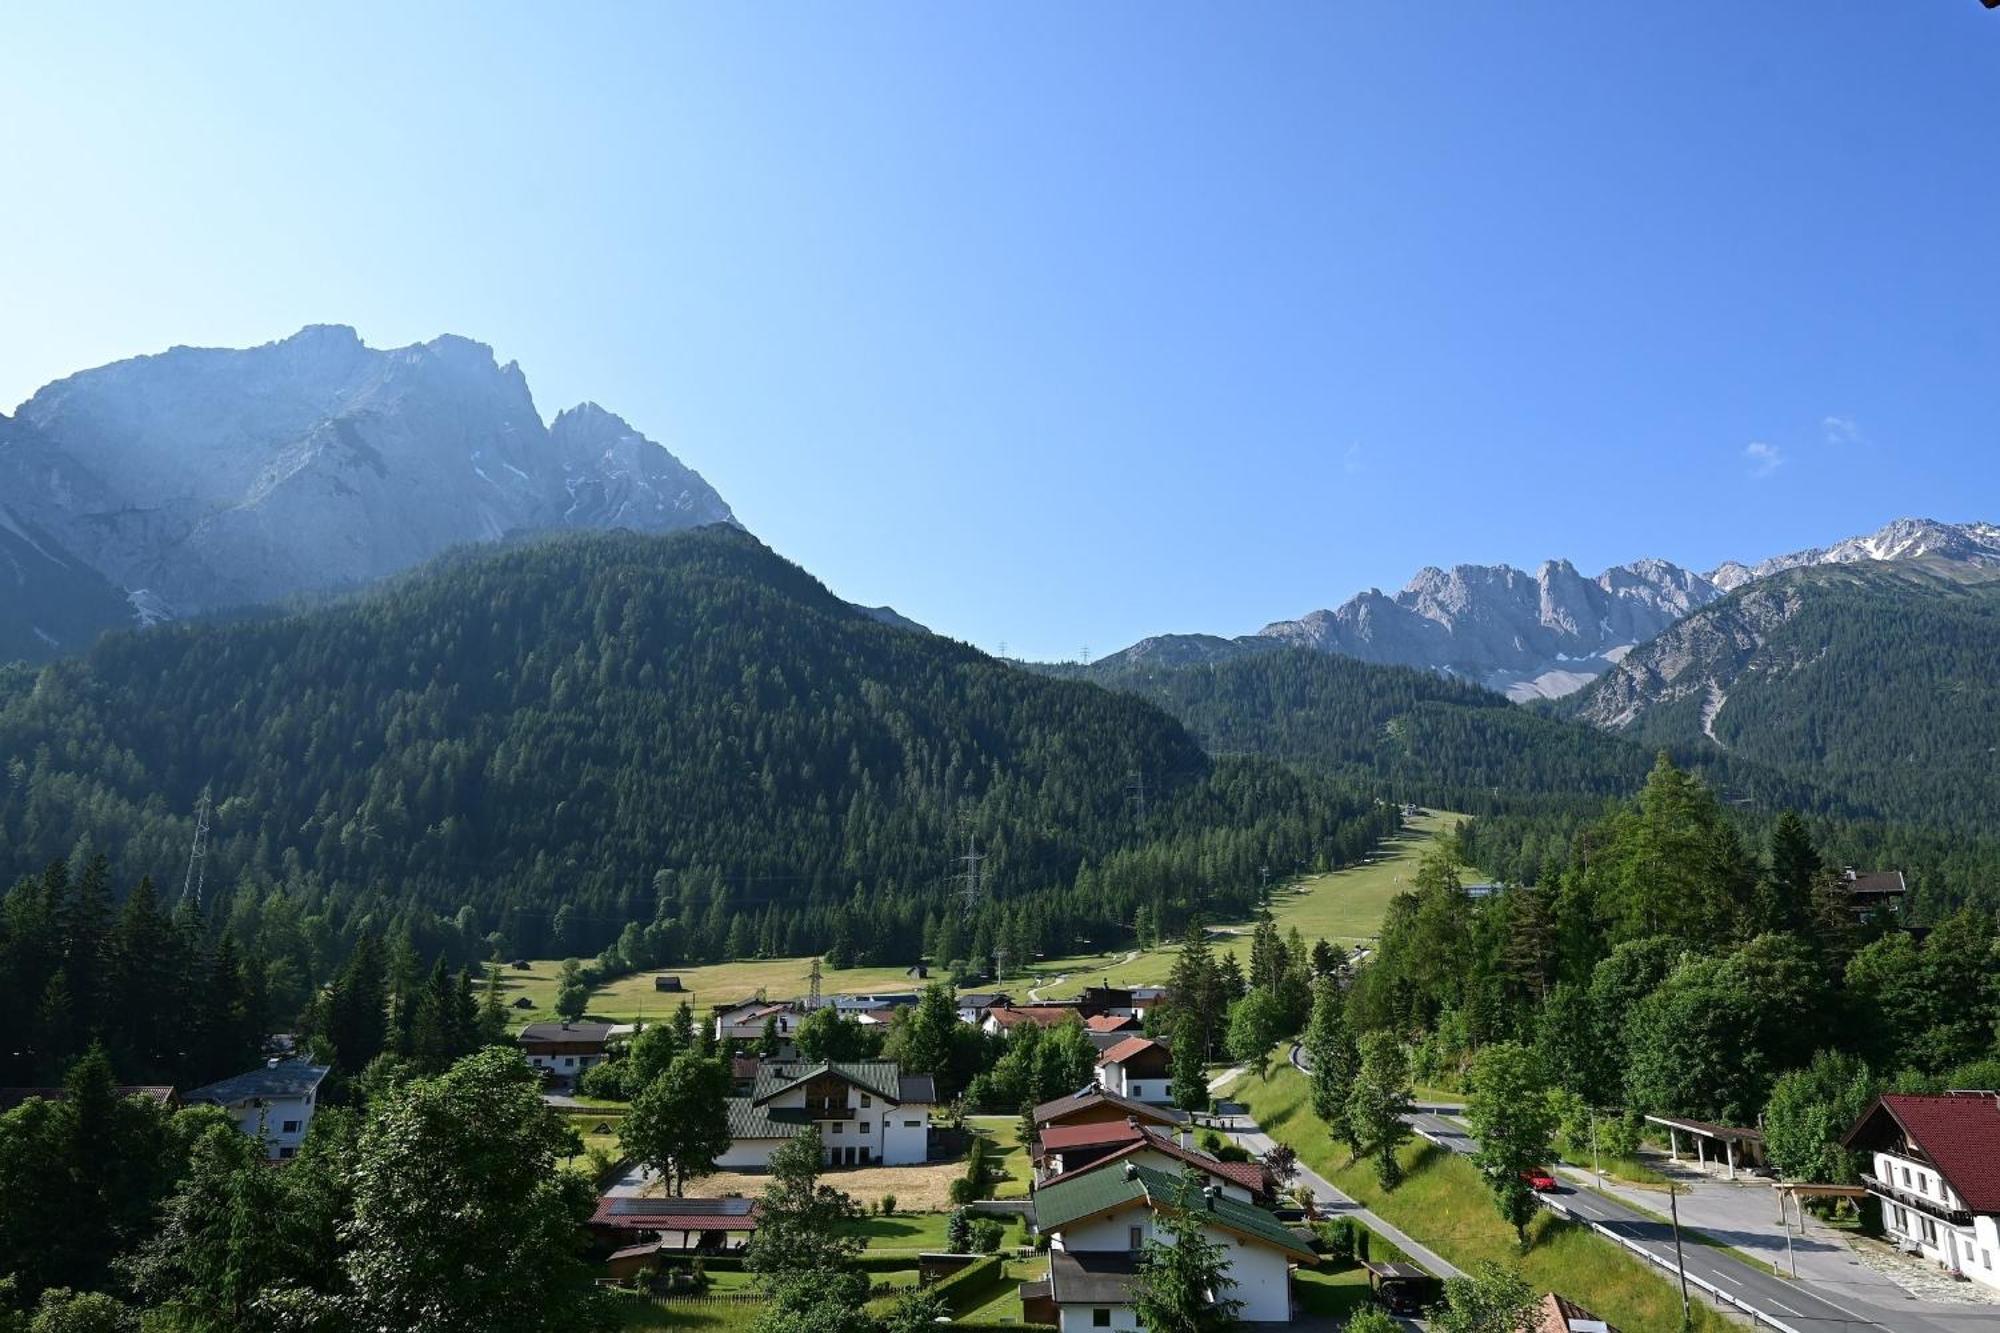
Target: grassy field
(1444, 1204)
(1345, 906)
(632, 999)
(1007, 1154)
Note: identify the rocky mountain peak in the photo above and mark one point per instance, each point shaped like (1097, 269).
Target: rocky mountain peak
(206, 477)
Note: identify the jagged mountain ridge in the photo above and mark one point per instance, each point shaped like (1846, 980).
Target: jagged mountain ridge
(201, 478)
(1549, 633)
(1877, 671)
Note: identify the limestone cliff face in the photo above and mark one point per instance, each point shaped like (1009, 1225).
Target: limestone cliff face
(204, 477)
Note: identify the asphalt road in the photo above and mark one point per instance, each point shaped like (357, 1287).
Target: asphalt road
(1791, 1305)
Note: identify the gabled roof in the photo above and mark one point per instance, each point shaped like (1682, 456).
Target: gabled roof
(281, 1078)
(1250, 1175)
(629, 1213)
(572, 1032)
(1092, 1277)
(748, 1120)
(984, 1000)
(1876, 882)
(1093, 1134)
(163, 1093)
(1958, 1131)
(880, 1077)
(1131, 1048)
(915, 1089)
(1060, 1108)
(1110, 1022)
(1041, 1015)
(1092, 1192)
(1555, 1313)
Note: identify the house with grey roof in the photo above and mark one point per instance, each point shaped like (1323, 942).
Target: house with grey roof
(868, 1112)
(274, 1102)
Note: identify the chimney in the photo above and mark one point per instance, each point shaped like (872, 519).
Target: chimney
(1131, 1171)
(1208, 1193)
(1131, 1122)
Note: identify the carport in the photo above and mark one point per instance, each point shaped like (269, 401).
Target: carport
(1732, 1145)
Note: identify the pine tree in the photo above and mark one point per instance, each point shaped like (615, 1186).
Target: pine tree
(1181, 1285)
(1333, 1061)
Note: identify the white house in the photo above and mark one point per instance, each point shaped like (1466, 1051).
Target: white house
(564, 1049)
(746, 1022)
(1139, 1068)
(868, 1113)
(1934, 1163)
(1098, 1221)
(274, 1103)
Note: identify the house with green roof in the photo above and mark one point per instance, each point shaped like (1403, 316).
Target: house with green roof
(868, 1112)
(1098, 1221)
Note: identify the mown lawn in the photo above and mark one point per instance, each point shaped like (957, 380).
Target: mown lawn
(633, 999)
(900, 1233)
(1006, 1153)
(1330, 1291)
(1345, 906)
(1444, 1204)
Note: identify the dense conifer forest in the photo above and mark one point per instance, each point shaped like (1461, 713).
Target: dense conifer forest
(535, 747)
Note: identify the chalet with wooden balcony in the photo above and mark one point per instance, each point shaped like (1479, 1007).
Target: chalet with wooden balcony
(868, 1113)
(1934, 1164)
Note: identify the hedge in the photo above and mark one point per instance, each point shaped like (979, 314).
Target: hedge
(958, 1289)
(966, 1326)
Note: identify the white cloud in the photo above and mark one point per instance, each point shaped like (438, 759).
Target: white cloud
(1841, 430)
(1764, 459)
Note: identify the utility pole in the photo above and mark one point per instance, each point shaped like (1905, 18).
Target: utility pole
(1680, 1265)
(812, 1001)
(1596, 1167)
(197, 871)
(1000, 963)
(1136, 787)
(1791, 1256)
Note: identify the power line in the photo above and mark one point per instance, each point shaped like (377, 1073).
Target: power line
(197, 871)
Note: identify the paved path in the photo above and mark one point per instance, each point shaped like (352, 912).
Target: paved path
(1035, 991)
(636, 1181)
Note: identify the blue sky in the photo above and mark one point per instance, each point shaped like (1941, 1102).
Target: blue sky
(1059, 325)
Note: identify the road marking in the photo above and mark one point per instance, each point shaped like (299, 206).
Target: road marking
(1787, 1309)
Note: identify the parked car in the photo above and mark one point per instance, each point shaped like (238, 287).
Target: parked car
(1540, 1179)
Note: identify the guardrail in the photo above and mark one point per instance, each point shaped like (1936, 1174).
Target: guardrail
(1758, 1318)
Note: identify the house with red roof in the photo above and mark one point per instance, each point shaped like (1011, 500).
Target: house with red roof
(1934, 1163)
(1139, 1068)
(1064, 1151)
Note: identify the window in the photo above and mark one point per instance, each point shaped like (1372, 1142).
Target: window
(837, 1127)
(1135, 1238)
(290, 1127)
(1906, 1174)
(1986, 1258)
(1100, 1319)
(1923, 1182)
(863, 1129)
(288, 1153)
(866, 1100)
(913, 1124)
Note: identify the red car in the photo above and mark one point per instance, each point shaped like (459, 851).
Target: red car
(1540, 1179)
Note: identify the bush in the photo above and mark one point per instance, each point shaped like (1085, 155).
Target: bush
(968, 1285)
(1371, 1319)
(958, 1232)
(987, 1233)
(888, 1204)
(1341, 1242)
(962, 1191)
(606, 1080)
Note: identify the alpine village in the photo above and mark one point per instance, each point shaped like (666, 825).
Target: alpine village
(467, 866)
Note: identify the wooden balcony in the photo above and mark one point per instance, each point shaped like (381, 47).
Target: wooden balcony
(1929, 1207)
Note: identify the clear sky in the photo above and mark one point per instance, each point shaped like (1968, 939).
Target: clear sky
(1062, 324)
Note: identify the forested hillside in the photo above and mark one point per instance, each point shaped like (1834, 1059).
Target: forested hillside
(685, 732)
(1873, 680)
(1533, 779)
